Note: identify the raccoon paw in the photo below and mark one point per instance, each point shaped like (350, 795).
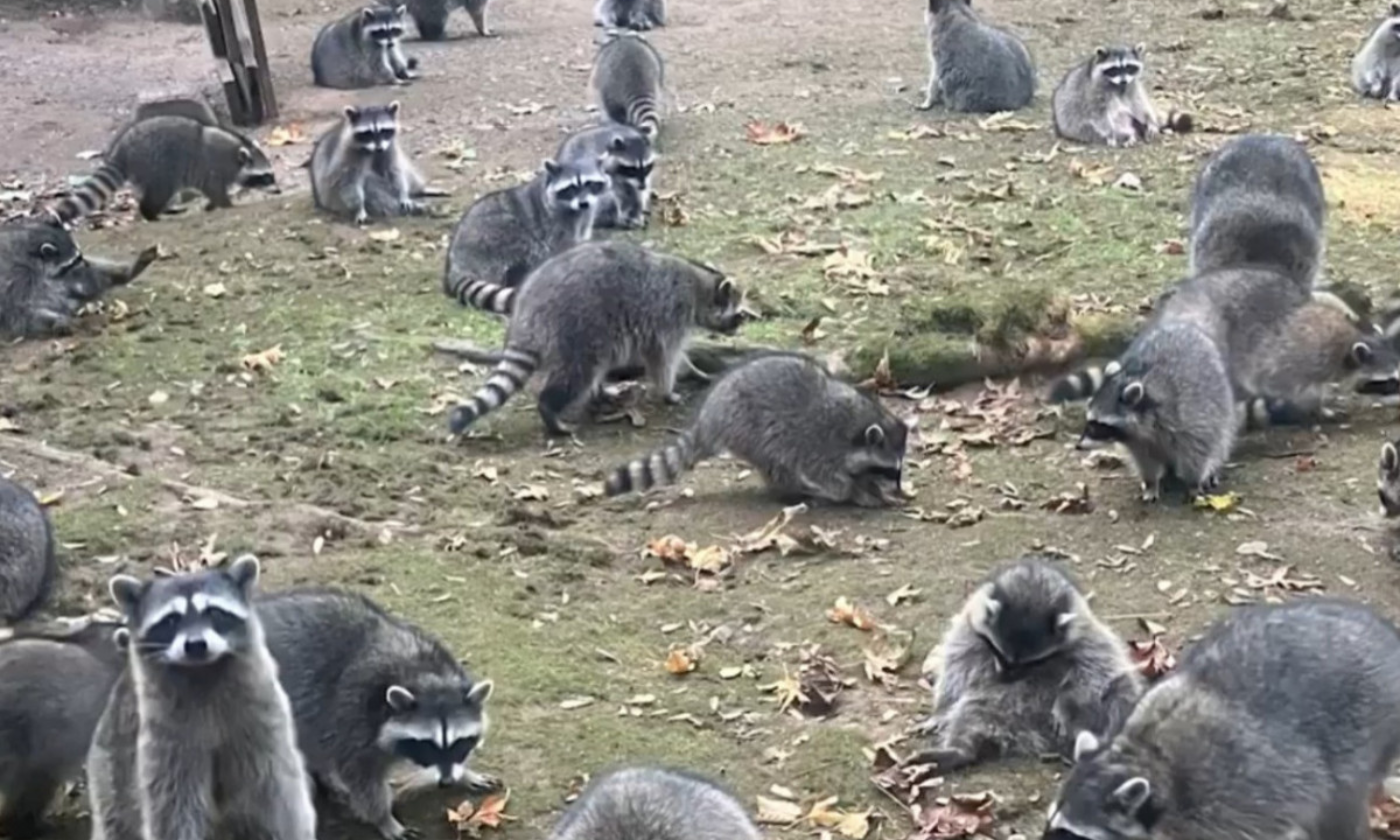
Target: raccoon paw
(945, 760)
(362, 217)
(1150, 493)
(409, 207)
(674, 398)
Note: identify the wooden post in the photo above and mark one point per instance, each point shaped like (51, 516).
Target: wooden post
(235, 37)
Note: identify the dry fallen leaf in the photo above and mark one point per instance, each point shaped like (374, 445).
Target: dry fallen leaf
(1223, 503)
(845, 612)
(886, 656)
(762, 134)
(263, 361)
(777, 812)
(531, 493)
(1385, 818)
(1152, 657)
(1076, 501)
(771, 534)
(904, 593)
(469, 819)
(967, 815)
(1257, 549)
(682, 661)
(787, 691)
(288, 135)
(387, 235)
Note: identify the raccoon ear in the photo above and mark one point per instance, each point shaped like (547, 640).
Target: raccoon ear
(480, 693)
(399, 698)
(1395, 9)
(244, 572)
(1140, 49)
(1133, 393)
(400, 10)
(726, 292)
(1133, 794)
(367, 13)
(1101, 53)
(351, 112)
(618, 144)
(126, 593)
(874, 435)
(992, 606)
(1086, 744)
(245, 157)
(1360, 354)
(1390, 459)
(1064, 620)
(394, 107)
(121, 637)
(552, 166)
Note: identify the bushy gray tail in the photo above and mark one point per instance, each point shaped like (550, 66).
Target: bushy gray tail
(1266, 412)
(91, 195)
(511, 373)
(644, 115)
(662, 466)
(1079, 385)
(481, 294)
(1260, 230)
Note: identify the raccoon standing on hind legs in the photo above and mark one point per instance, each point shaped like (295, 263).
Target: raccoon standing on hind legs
(197, 741)
(807, 433)
(1024, 667)
(1104, 100)
(162, 156)
(359, 171)
(1375, 72)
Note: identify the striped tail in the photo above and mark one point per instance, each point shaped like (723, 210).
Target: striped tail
(663, 466)
(485, 295)
(1260, 413)
(643, 115)
(511, 373)
(1079, 385)
(91, 195)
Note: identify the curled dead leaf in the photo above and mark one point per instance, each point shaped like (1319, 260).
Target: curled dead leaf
(762, 134)
(469, 819)
(264, 361)
(846, 612)
(681, 661)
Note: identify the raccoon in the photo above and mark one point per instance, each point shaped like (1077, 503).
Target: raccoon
(1172, 397)
(369, 692)
(53, 689)
(1388, 484)
(507, 234)
(359, 171)
(655, 803)
(973, 66)
(1375, 72)
(363, 50)
(197, 740)
(44, 279)
(1023, 668)
(629, 14)
(1259, 201)
(430, 16)
(807, 433)
(626, 157)
(184, 106)
(629, 80)
(27, 565)
(596, 308)
(1104, 100)
(162, 156)
(1279, 723)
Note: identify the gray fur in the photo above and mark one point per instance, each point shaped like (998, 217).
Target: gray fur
(53, 689)
(1388, 483)
(508, 233)
(359, 171)
(626, 156)
(430, 16)
(974, 66)
(1375, 72)
(1259, 201)
(1277, 725)
(596, 308)
(362, 50)
(338, 655)
(1023, 668)
(27, 564)
(163, 156)
(807, 433)
(654, 803)
(197, 741)
(629, 81)
(187, 107)
(1172, 397)
(44, 280)
(629, 14)
(1104, 100)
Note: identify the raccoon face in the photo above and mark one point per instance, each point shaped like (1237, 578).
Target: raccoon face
(255, 170)
(1102, 800)
(383, 26)
(631, 182)
(373, 129)
(877, 457)
(1121, 410)
(722, 306)
(572, 188)
(54, 249)
(436, 724)
(190, 620)
(1376, 366)
(1021, 635)
(1118, 66)
(1388, 482)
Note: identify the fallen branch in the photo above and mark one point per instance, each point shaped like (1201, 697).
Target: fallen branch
(54, 455)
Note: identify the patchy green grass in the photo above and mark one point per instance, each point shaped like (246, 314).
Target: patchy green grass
(974, 233)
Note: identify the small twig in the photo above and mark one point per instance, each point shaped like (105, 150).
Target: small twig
(1292, 453)
(1135, 616)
